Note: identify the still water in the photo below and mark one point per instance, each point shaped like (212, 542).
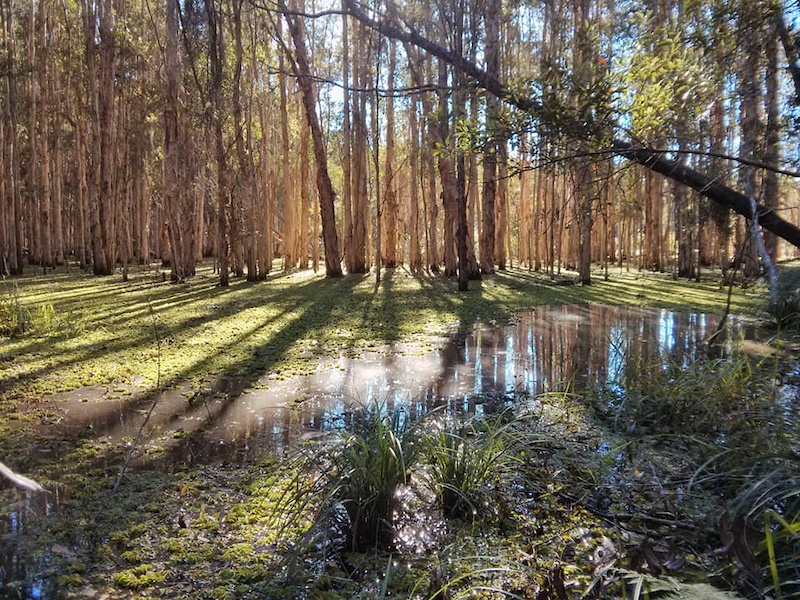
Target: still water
(553, 348)
(550, 349)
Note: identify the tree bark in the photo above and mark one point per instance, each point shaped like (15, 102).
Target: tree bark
(327, 196)
(216, 52)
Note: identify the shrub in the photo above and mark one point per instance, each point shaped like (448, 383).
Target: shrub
(784, 306)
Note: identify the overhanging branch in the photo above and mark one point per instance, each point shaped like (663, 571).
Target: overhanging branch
(656, 161)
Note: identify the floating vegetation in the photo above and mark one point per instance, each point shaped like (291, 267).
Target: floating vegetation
(568, 455)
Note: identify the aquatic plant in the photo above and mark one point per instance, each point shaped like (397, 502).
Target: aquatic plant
(467, 461)
(358, 471)
(367, 469)
(705, 396)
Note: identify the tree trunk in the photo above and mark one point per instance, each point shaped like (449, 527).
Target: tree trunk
(324, 186)
(772, 150)
(216, 53)
(415, 253)
(10, 172)
(390, 187)
(180, 225)
(288, 229)
(347, 171)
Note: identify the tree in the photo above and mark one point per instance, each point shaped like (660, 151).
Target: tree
(180, 216)
(324, 186)
(652, 159)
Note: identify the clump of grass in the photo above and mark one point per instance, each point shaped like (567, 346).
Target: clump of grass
(468, 461)
(349, 484)
(784, 304)
(706, 396)
(368, 468)
(17, 319)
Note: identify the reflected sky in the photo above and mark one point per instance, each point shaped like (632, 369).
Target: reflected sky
(552, 348)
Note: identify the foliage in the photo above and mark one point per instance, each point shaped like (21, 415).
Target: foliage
(784, 306)
(469, 460)
(707, 395)
(367, 469)
(19, 318)
(640, 586)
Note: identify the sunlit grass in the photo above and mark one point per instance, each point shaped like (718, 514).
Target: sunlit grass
(101, 328)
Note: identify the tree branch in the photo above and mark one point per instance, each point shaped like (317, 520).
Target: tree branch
(706, 186)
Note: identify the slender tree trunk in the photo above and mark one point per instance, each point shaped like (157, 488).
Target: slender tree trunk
(305, 199)
(772, 150)
(216, 52)
(11, 168)
(43, 139)
(288, 229)
(752, 128)
(267, 191)
(583, 191)
(107, 132)
(390, 187)
(324, 186)
(179, 225)
(347, 171)
(447, 176)
(359, 156)
(501, 209)
(415, 253)
(489, 196)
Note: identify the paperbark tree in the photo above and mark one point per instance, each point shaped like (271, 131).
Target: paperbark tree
(347, 170)
(216, 52)
(180, 217)
(12, 211)
(492, 51)
(652, 159)
(330, 239)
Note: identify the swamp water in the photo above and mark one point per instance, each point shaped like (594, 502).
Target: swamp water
(553, 348)
(477, 371)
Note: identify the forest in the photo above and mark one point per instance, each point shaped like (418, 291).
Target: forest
(400, 299)
(458, 137)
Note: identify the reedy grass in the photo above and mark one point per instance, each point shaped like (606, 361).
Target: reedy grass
(367, 470)
(359, 471)
(741, 433)
(784, 306)
(705, 396)
(467, 461)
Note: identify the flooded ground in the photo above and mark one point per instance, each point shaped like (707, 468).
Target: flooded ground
(551, 349)
(478, 370)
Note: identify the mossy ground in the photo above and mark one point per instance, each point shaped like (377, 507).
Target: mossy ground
(180, 530)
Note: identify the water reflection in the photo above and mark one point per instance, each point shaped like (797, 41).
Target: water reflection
(549, 349)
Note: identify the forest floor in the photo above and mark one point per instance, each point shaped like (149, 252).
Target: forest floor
(175, 527)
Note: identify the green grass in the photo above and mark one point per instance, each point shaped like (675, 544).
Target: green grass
(101, 329)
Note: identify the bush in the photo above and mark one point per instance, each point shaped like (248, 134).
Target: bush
(784, 307)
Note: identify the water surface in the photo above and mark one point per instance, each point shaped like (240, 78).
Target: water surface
(552, 348)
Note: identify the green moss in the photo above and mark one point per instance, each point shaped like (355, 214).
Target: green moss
(72, 580)
(238, 553)
(139, 577)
